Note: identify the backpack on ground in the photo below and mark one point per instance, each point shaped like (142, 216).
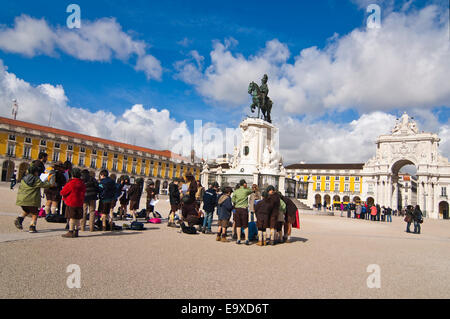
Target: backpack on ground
(137, 226)
(54, 218)
(188, 229)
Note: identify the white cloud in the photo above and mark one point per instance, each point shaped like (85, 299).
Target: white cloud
(400, 66)
(353, 142)
(101, 40)
(137, 125)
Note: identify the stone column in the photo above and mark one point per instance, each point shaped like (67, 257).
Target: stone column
(311, 193)
(429, 201)
(388, 200)
(420, 193)
(395, 196)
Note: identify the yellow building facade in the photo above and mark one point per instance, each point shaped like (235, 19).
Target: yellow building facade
(21, 142)
(328, 184)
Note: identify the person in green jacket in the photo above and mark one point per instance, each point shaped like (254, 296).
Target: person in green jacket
(240, 203)
(29, 197)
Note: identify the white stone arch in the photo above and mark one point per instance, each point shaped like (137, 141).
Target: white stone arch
(406, 145)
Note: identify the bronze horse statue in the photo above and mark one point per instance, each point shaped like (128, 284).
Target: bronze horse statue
(263, 103)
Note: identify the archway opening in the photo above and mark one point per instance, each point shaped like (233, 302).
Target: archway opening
(370, 201)
(336, 201)
(357, 200)
(7, 170)
(443, 210)
(346, 199)
(327, 200)
(317, 200)
(404, 181)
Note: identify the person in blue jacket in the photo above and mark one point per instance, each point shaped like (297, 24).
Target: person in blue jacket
(107, 194)
(225, 206)
(209, 204)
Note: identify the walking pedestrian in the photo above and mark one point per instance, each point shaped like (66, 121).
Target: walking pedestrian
(29, 196)
(73, 195)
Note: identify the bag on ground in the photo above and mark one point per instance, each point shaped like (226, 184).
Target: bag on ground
(188, 229)
(137, 226)
(53, 218)
(155, 220)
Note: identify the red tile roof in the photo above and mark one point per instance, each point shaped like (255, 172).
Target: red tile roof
(56, 131)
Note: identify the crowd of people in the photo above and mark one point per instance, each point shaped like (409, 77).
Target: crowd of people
(82, 199)
(375, 212)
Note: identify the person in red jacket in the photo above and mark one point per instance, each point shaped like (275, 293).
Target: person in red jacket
(73, 196)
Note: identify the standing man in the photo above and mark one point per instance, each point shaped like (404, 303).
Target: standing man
(240, 203)
(209, 204)
(174, 198)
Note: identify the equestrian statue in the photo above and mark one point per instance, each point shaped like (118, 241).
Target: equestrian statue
(261, 100)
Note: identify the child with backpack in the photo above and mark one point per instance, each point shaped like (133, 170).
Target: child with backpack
(29, 197)
(73, 196)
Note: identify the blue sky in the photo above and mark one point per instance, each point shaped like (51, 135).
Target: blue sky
(164, 24)
(172, 30)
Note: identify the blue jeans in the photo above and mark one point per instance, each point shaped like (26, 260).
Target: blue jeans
(417, 227)
(207, 221)
(389, 218)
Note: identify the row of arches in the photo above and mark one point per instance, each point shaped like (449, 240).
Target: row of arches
(336, 200)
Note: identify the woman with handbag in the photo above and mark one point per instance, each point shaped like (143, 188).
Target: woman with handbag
(408, 218)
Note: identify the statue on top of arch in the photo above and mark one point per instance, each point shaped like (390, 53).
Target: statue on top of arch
(405, 126)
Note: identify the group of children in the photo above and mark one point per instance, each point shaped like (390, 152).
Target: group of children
(79, 191)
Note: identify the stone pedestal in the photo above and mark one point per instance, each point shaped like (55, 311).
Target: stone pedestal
(257, 159)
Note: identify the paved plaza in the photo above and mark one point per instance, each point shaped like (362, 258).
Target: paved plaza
(328, 258)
